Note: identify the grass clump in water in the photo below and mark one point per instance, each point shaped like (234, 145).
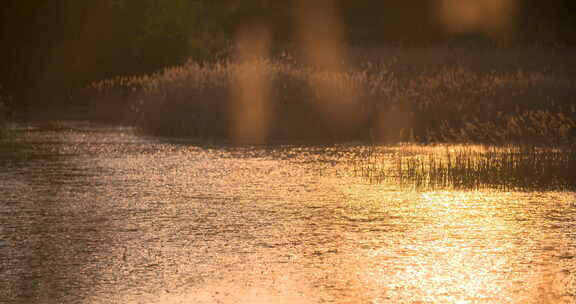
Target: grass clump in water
(474, 167)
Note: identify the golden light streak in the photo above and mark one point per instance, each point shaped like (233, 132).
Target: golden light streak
(250, 98)
(320, 34)
(491, 17)
(323, 47)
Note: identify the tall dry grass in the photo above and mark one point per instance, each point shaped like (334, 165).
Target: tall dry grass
(442, 94)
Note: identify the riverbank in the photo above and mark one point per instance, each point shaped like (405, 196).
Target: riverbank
(488, 96)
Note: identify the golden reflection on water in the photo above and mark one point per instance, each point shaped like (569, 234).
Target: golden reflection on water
(475, 247)
(161, 222)
(441, 261)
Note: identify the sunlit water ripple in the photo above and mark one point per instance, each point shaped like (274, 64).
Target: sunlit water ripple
(99, 214)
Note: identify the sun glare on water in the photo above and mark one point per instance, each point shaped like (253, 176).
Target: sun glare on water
(462, 247)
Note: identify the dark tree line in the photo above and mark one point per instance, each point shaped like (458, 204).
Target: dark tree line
(50, 48)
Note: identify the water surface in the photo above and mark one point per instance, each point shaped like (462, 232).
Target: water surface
(96, 214)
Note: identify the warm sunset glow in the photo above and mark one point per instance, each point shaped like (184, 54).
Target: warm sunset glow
(321, 34)
(288, 152)
(492, 17)
(462, 247)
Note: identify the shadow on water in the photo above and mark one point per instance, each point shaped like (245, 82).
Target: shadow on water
(50, 234)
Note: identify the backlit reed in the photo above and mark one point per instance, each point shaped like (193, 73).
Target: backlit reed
(473, 167)
(437, 95)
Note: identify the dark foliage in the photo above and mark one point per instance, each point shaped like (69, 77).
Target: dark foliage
(52, 48)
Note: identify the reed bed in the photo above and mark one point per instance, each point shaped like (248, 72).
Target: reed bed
(393, 95)
(473, 167)
(3, 118)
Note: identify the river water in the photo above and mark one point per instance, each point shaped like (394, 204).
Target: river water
(99, 214)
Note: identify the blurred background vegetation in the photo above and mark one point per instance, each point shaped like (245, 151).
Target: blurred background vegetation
(53, 48)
